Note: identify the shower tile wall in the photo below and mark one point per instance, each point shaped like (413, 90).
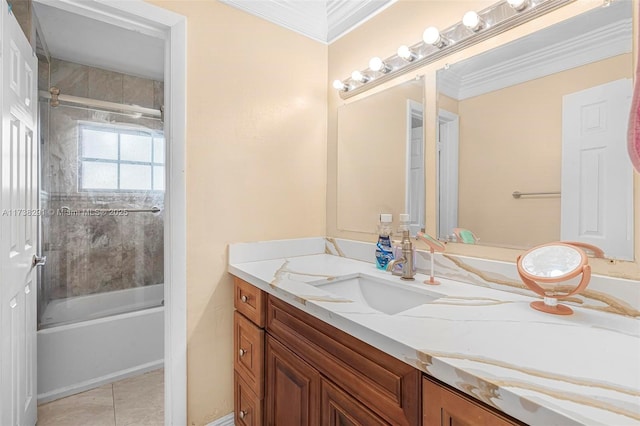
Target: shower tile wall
(95, 254)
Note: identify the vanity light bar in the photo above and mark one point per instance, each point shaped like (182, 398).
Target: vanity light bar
(474, 28)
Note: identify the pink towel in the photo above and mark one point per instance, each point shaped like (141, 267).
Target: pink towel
(633, 132)
(633, 143)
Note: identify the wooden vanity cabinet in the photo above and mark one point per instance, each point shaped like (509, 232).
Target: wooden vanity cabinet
(445, 406)
(292, 369)
(248, 359)
(386, 386)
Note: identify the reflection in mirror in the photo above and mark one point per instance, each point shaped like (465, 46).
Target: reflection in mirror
(533, 137)
(381, 158)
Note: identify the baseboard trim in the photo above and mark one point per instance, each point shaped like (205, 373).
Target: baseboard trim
(223, 421)
(99, 381)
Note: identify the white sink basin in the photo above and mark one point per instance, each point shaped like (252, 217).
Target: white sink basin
(382, 295)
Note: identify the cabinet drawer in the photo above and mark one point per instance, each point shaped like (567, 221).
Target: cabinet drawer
(248, 345)
(389, 387)
(249, 301)
(444, 406)
(248, 407)
(341, 409)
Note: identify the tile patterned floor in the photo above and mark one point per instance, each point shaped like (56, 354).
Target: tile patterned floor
(136, 401)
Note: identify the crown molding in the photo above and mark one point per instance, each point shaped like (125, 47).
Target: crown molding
(601, 43)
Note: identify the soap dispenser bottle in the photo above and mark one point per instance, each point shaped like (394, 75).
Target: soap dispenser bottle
(384, 250)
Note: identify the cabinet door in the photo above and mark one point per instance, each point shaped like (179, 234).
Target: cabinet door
(292, 388)
(445, 407)
(341, 409)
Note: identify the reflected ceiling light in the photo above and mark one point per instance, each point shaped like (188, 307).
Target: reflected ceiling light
(339, 85)
(377, 64)
(473, 21)
(518, 5)
(358, 76)
(405, 53)
(432, 36)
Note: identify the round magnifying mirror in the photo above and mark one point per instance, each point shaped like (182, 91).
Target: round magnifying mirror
(543, 268)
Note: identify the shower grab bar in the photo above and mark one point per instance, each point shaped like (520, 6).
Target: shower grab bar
(153, 209)
(518, 194)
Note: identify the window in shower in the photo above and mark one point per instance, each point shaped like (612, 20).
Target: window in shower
(119, 159)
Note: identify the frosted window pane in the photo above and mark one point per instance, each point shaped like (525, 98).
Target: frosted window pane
(96, 175)
(134, 176)
(135, 148)
(99, 144)
(158, 178)
(158, 150)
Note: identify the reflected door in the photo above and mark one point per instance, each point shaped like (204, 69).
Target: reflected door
(597, 175)
(415, 203)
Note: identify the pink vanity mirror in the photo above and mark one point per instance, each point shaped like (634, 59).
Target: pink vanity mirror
(545, 268)
(434, 246)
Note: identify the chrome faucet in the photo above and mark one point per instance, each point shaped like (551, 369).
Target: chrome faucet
(406, 260)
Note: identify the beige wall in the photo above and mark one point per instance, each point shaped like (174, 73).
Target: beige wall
(403, 23)
(501, 152)
(256, 168)
(372, 156)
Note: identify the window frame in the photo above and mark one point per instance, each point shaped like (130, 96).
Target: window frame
(120, 130)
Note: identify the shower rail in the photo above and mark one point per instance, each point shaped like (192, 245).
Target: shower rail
(54, 97)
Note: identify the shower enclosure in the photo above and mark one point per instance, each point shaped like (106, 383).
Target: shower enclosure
(100, 312)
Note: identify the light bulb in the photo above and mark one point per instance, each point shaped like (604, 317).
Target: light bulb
(518, 5)
(377, 64)
(472, 21)
(358, 76)
(432, 36)
(339, 85)
(405, 53)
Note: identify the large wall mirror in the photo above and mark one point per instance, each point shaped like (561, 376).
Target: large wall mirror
(532, 137)
(381, 158)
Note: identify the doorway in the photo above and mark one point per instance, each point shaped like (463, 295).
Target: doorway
(171, 28)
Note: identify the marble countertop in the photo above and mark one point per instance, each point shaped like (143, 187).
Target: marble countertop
(539, 368)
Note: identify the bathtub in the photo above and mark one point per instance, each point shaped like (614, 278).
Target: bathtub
(120, 336)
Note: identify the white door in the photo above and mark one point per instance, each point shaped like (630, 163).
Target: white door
(415, 204)
(447, 173)
(597, 175)
(18, 204)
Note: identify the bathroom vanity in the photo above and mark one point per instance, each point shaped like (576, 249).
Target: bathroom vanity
(308, 352)
(298, 370)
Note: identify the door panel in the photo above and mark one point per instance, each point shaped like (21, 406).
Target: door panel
(18, 183)
(597, 175)
(292, 388)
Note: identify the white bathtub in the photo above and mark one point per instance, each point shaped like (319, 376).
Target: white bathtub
(74, 357)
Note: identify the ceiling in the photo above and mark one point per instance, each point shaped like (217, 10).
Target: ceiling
(81, 39)
(76, 38)
(321, 20)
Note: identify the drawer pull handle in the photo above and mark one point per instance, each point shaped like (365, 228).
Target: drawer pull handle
(242, 414)
(242, 352)
(244, 298)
